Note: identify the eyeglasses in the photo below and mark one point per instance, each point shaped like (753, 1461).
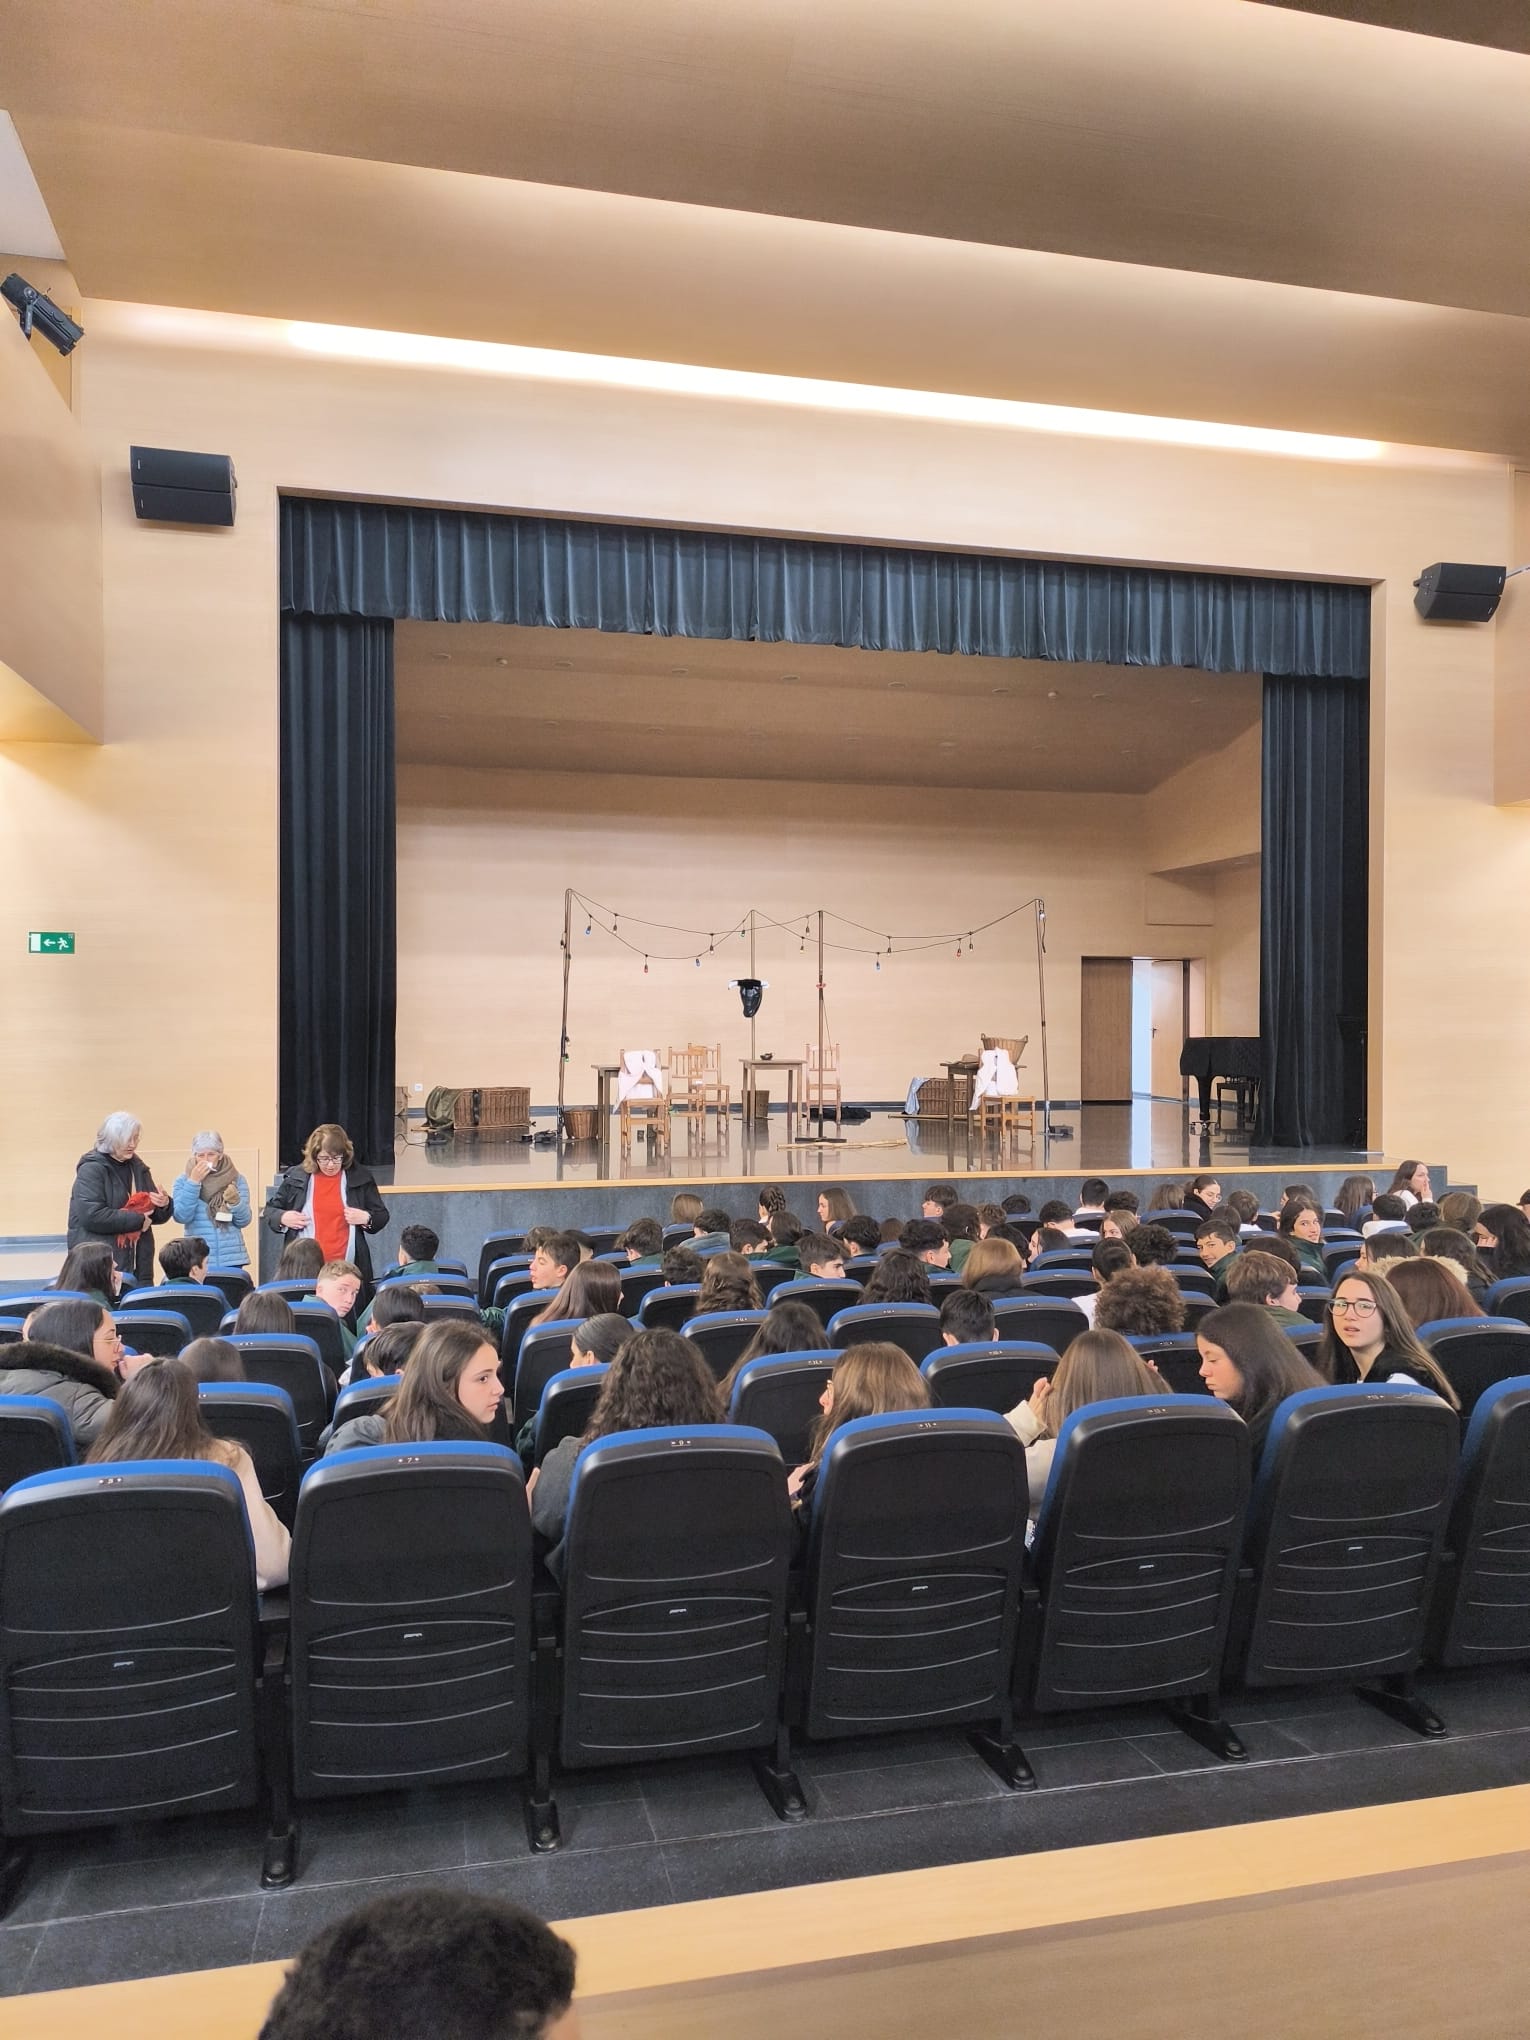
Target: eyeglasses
(1360, 1307)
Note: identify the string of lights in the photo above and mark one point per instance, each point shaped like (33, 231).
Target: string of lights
(598, 914)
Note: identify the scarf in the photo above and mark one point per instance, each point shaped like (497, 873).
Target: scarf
(139, 1200)
(220, 1186)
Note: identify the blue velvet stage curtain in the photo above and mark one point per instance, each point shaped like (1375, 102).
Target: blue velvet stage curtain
(338, 951)
(1313, 923)
(453, 566)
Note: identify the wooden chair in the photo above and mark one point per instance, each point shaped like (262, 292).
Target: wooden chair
(819, 1083)
(646, 1102)
(696, 1082)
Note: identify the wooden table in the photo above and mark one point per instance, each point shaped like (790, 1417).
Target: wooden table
(751, 1086)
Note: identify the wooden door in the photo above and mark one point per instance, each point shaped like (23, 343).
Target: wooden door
(1170, 994)
(1105, 1030)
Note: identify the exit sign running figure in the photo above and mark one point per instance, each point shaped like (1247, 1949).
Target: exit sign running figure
(50, 942)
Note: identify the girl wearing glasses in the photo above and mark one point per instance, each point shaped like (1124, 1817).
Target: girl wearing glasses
(1368, 1336)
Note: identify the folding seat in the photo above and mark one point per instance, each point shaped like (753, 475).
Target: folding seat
(292, 1362)
(916, 1547)
(452, 1267)
(568, 1402)
(1341, 1255)
(1080, 1259)
(160, 1332)
(679, 1234)
(510, 1287)
(779, 1393)
(496, 1246)
(1335, 1220)
(1183, 1224)
(11, 1329)
(1135, 1560)
(1177, 1358)
(34, 1437)
(722, 1335)
(670, 1307)
(1348, 1513)
(636, 1283)
(442, 1285)
(296, 1289)
(602, 1238)
(1196, 1307)
(942, 1281)
(674, 1608)
(1481, 1614)
(827, 1299)
(411, 1638)
(1088, 1221)
(1509, 1298)
(365, 1398)
(463, 1308)
(131, 1675)
(1052, 1320)
(1058, 1282)
(232, 1284)
(23, 1306)
(261, 1419)
(860, 1268)
(769, 1276)
(1308, 1337)
(545, 1351)
(913, 1326)
(316, 1321)
(1474, 1353)
(994, 1377)
(1197, 1280)
(200, 1305)
(518, 1317)
(1312, 1302)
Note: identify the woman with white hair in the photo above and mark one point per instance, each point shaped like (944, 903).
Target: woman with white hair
(211, 1200)
(115, 1197)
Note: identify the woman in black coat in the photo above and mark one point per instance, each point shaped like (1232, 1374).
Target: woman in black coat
(331, 1197)
(116, 1199)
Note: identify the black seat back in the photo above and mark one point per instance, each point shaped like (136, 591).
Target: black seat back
(518, 1317)
(1509, 1298)
(913, 1326)
(411, 1619)
(11, 1329)
(780, 1394)
(34, 1437)
(160, 1332)
(199, 1303)
(915, 1551)
(316, 1321)
(669, 1307)
(232, 1284)
(568, 1402)
(636, 1283)
(1476, 1353)
(1136, 1550)
(1052, 1321)
(497, 1247)
(1349, 1509)
(261, 1419)
(1062, 1282)
(674, 1612)
(127, 1645)
(996, 1377)
(1485, 1618)
(722, 1335)
(292, 1362)
(826, 1299)
(545, 1351)
(1177, 1358)
(440, 1285)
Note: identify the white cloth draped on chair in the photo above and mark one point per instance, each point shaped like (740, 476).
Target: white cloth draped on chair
(996, 1077)
(640, 1076)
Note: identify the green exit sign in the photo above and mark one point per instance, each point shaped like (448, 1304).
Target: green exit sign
(51, 942)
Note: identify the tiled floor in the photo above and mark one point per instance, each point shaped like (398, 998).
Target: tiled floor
(98, 1908)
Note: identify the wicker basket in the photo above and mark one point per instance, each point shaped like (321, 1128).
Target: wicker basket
(582, 1121)
(939, 1096)
(503, 1110)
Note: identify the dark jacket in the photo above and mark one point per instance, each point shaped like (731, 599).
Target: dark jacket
(998, 1285)
(97, 1210)
(549, 1505)
(291, 1194)
(84, 1391)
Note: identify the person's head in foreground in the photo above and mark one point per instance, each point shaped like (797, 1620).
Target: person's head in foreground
(430, 1965)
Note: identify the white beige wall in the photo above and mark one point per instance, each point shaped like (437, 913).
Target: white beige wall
(479, 983)
(167, 841)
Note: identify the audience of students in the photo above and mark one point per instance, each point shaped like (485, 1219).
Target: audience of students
(587, 1289)
(1217, 1242)
(1368, 1336)
(90, 1269)
(418, 1246)
(899, 1277)
(213, 1360)
(1267, 1280)
(925, 1239)
(1249, 1363)
(834, 1207)
(967, 1319)
(728, 1284)
(1430, 1288)
(1411, 1183)
(262, 1310)
(1141, 1303)
(994, 1267)
(872, 1380)
(1301, 1222)
(1098, 1366)
(451, 1390)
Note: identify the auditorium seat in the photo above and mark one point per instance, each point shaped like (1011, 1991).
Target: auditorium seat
(1197, 1281)
(678, 1235)
(130, 1656)
(1308, 1337)
(913, 1326)
(827, 1299)
(261, 1419)
(568, 1402)
(1052, 1320)
(232, 1284)
(860, 1267)
(509, 1287)
(602, 1238)
(518, 1317)
(1482, 1607)
(496, 1246)
(769, 1276)
(291, 1361)
(1177, 1358)
(636, 1283)
(201, 1307)
(722, 1335)
(916, 1547)
(780, 1393)
(1058, 1282)
(160, 1332)
(463, 1309)
(669, 1307)
(1346, 1522)
(674, 1608)
(546, 1350)
(452, 1267)
(1078, 1258)
(1339, 1258)
(316, 1321)
(442, 1285)
(942, 1281)
(23, 1306)
(994, 1377)
(34, 1437)
(1183, 1224)
(1508, 1298)
(365, 1398)
(411, 1637)
(11, 1329)
(1135, 1559)
(1473, 1353)
(295, 1289)
(1312, 1302)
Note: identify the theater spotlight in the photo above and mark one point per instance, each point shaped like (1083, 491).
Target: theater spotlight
(35, 308)
(750, 992)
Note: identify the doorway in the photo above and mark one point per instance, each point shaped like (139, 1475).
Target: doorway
(1105, 1030)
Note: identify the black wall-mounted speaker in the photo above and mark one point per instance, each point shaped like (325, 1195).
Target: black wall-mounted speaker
(182, 488)
(1451, 593)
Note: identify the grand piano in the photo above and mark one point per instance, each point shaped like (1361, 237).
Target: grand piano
(1207, 1057)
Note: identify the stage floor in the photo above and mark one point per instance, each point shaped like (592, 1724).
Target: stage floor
(1150, 1137)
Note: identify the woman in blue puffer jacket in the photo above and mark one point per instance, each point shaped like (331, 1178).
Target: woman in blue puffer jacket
(212, 1201)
